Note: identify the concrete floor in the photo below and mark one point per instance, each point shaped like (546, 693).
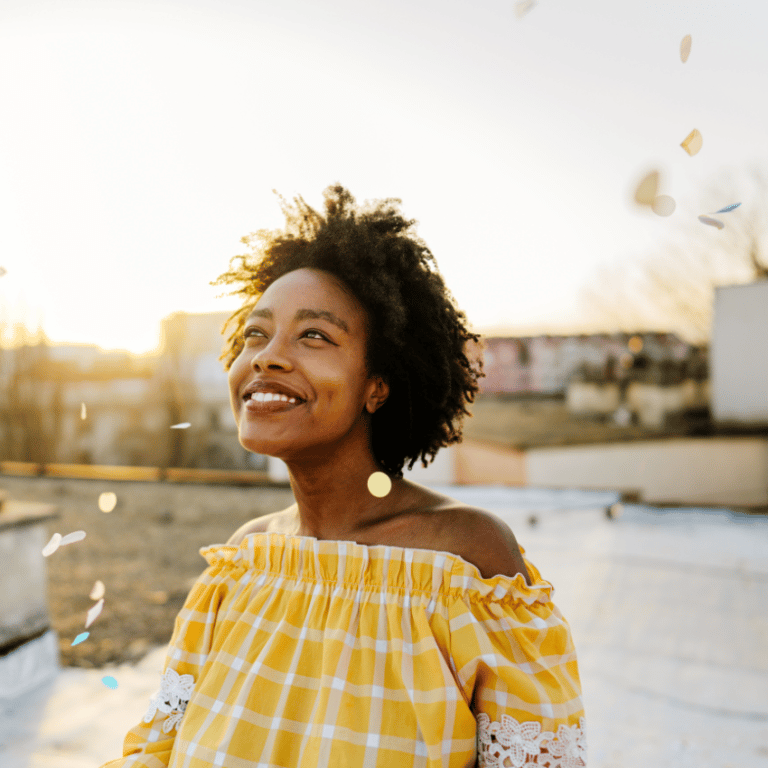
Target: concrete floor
(669, 613)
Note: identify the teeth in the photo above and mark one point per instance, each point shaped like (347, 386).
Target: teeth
(268, 397)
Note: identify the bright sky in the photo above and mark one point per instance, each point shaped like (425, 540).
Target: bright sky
(140, 140)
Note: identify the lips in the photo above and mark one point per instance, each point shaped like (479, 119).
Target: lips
(274, 388)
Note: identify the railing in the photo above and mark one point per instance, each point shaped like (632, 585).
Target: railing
(149, 474)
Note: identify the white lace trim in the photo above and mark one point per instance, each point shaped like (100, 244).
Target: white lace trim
(172, 698)
(511, 744)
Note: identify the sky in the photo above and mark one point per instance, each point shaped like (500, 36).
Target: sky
(139, 141)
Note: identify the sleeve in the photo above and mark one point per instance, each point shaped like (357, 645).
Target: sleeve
(516, 663)
(150, 743)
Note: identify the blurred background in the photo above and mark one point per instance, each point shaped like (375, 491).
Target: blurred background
(625, 351)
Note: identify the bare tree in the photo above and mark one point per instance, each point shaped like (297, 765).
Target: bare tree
(673, 289)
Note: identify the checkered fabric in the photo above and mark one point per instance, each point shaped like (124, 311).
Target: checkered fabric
(303, 653)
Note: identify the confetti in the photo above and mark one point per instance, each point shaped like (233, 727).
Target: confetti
(3, 271)
(107, 502)
(93, 614)
(379, 484)
(693, 142)
(712, 222)
(522, 7)
(646, 190)
(71, 538)
(97, 591)
(110, 682)
(52, 545)
(79, 639)
(82, 411)
(685, 48)
(183, 425)
(728, 208)
(663, 205)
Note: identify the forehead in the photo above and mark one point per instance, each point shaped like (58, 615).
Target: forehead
(312, 288)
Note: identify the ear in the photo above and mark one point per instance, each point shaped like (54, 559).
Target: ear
(376, 394)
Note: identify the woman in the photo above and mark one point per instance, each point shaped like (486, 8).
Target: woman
(360, 626)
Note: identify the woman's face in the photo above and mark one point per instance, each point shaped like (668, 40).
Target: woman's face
(305, 340)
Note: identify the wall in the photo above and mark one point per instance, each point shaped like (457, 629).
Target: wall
(727, 471)
(485, 463)
(739, 353)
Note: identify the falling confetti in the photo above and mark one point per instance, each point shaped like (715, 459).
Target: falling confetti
(728, 208)
(693, 142)
(646, 190)
(107, 502)
(523, 6)
(93, 614)
(52, 545)
(379, 484)
(71, 538)
(82, 411)
(663, 205)
(685, 48)
(79, 639)
(97, 591)
(110, 682)
(183, 425)
(712, 222)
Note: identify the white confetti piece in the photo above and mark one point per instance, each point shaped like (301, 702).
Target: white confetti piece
(728, 208)
(693, 142)
(52, 545)
(523, 6)
(712, 222)
(183, 425)
(379, 484)
(83, 412)
(98, 591)
(71, 538)
(93, 614)
(647, 189)
(685, 48)
(107, 502)
(663, 205)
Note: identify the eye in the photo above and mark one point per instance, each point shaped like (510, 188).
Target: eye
(319, 335)
(252, 331)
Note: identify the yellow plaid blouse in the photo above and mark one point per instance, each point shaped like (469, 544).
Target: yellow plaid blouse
(302, 653)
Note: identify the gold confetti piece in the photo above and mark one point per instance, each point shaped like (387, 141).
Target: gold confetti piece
(646, 190)
(379, 484)
(98, 591)
(685, 48)
(71, 538)
(82, 410)
(183, 425)
(52, 545)
(93, 614)
(728, 208)
(523, 6)
(663, 205)
(693, 142)
(107, 502)
(712, 222)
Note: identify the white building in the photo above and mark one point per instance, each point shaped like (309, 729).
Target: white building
(739, 354)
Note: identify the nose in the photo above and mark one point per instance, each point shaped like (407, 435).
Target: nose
(272, 356)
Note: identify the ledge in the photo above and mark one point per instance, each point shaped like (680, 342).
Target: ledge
(16, 514)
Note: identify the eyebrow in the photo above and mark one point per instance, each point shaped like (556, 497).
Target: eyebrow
(304, 314)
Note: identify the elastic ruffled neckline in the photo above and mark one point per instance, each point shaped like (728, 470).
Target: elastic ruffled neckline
(361, 566)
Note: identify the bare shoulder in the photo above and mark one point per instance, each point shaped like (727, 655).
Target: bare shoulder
(484, 540)
(270, 522)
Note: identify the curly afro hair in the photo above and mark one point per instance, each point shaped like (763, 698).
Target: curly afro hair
(417, 336)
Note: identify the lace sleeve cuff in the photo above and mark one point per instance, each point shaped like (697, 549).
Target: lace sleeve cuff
(172, 699)
(511, 744)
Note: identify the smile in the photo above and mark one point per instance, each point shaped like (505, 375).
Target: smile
(276, 404)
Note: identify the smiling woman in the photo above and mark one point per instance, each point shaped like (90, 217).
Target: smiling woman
(396, 628)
